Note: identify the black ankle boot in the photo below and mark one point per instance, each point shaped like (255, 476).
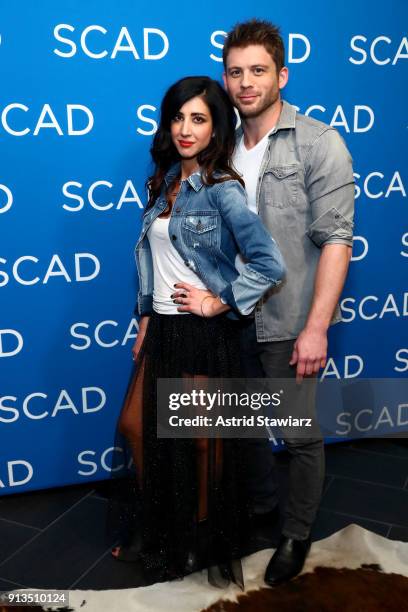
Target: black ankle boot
(287, 560)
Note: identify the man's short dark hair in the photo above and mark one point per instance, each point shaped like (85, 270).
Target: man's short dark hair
(256, 32)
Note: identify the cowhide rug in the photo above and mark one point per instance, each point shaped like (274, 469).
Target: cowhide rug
(354, 570)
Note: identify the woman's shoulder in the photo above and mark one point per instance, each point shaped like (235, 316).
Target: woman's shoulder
(226, 183)
(225, 176)
(227, 193)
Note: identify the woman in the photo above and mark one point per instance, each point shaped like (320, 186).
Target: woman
(184, 504)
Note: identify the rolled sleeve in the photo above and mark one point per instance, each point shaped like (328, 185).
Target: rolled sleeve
(330, 186)
(245, 291)
(264, 267)
(145, 305)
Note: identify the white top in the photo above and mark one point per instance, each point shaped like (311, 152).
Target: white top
(248, 163)
(168, 268)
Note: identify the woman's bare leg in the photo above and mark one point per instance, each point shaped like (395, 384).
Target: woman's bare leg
(131, 421)
(131, 426)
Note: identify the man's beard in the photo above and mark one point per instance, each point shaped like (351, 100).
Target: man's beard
(256, 112)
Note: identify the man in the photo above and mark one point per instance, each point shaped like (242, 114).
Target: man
(298, 176)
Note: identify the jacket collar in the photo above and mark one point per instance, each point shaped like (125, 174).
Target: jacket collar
(194, 179)
(287, 120)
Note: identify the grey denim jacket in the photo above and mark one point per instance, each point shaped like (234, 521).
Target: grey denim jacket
(305, 198)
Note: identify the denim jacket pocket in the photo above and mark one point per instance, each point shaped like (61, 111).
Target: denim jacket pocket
(279, 185)
(200, 229)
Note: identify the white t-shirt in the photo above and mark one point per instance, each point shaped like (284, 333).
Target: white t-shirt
(168, 268)
(248, 163)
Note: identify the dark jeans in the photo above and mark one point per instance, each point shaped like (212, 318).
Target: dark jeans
(307, 461)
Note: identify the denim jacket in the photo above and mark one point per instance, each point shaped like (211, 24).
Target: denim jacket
(305, 197)
(209, 226)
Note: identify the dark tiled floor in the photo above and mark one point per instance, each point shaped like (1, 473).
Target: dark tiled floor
(56, 538)
(67, 548)
(40, 508)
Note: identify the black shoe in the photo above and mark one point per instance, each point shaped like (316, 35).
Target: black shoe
(192, 563)
(287, 560)
(128, 552)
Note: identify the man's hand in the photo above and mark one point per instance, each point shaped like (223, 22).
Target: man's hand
(197, 301)
(310, 349)
(309, 352)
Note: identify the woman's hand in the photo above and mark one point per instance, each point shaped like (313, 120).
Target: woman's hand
(197, 301)
(143, 323)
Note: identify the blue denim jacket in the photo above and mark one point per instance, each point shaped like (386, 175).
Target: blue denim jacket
(209, 226)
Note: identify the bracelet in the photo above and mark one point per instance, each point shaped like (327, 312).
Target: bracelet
(202, 302)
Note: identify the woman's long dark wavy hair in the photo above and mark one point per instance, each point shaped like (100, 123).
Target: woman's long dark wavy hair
(217, 155)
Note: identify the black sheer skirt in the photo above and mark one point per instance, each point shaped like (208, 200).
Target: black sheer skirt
(179, 505)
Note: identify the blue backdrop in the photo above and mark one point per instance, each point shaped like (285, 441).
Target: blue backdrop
(81, 85)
